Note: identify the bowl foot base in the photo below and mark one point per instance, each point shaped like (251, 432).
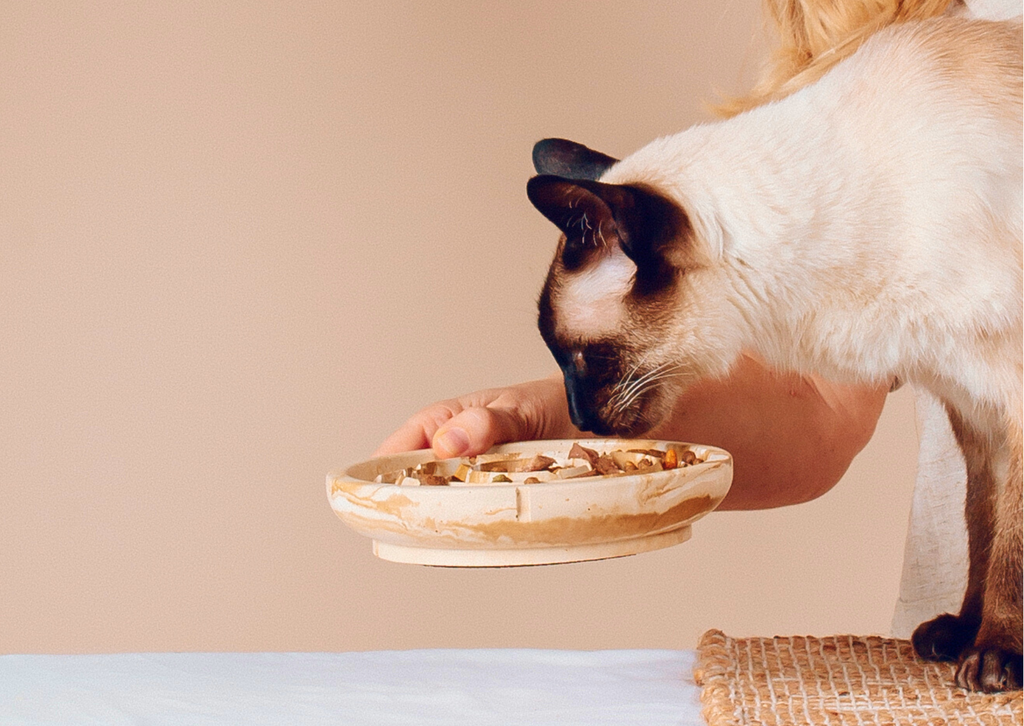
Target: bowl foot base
(528, 556)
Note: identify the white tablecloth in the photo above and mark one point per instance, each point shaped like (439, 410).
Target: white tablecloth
(417, 687)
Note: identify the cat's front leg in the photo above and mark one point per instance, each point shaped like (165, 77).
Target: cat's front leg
(990, 668)
(948, 636)
(944, 638)
(993, 661)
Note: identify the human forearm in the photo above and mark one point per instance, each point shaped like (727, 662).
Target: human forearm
(792, 437)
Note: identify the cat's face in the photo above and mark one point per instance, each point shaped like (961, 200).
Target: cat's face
(619, 291)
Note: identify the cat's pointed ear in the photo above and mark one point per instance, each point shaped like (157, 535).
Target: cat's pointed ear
(567, 159)
(579, 209)
(652, 231)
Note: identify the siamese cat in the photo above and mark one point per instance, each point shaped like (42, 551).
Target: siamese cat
(866, 228)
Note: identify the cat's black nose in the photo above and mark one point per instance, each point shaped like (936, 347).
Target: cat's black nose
(580, 406)
(576, 413)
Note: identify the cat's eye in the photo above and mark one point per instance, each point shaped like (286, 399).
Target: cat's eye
(579, 362)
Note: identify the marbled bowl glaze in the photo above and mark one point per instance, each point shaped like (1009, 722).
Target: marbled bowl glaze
(502, 525)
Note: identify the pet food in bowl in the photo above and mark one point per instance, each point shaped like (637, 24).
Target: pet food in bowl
(564, 501)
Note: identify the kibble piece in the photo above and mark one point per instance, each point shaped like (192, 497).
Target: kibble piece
(489, 458)
(582, 452)
(433, 480)
(649, 467)
(647, 452)
(671, 460)
(536, 463)
(540, 463)
(572, 472)
(500, 479)
(504, 464)
(689, 458)
(606, 465)
(622, 458)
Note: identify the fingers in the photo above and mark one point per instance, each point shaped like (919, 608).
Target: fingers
(451, 433)
(417, 432)
(409, 437)
(473, 423)
(474, 430)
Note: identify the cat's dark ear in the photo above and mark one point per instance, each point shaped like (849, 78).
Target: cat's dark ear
(567, 159)
(595, 217)
(579, 211)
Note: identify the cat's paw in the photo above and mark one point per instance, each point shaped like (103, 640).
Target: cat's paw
(989, 670)
(943, 638)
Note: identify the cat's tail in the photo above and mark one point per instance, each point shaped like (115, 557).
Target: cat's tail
(811, 36)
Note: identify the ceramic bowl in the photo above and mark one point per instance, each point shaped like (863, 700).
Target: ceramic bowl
(501, 525)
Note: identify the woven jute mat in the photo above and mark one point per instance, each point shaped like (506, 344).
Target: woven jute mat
(843, 679)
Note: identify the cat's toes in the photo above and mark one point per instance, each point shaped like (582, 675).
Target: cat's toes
(989, 670)
(943, 638)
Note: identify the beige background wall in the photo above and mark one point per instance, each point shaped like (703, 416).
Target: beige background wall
(240, 243)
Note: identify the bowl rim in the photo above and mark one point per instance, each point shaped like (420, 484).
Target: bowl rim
(721, 456)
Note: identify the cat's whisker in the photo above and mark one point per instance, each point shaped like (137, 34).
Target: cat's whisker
(652, 374)
(627, 380)
(627, 394)
(628, 384)
(648, 382)
(622, 399)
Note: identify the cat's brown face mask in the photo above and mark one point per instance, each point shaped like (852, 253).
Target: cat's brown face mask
(607, 306)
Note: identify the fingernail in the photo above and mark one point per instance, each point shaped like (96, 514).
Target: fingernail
(453, 442)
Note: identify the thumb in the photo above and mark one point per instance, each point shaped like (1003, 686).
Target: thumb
(474, 430)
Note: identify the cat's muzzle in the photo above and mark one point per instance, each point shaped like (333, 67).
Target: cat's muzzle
(591, 409)
(580, 398)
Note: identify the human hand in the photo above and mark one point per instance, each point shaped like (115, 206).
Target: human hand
(471, 424)
(792, 436)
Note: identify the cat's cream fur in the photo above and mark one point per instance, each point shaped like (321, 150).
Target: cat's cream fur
(866, 227)
(591, 302)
